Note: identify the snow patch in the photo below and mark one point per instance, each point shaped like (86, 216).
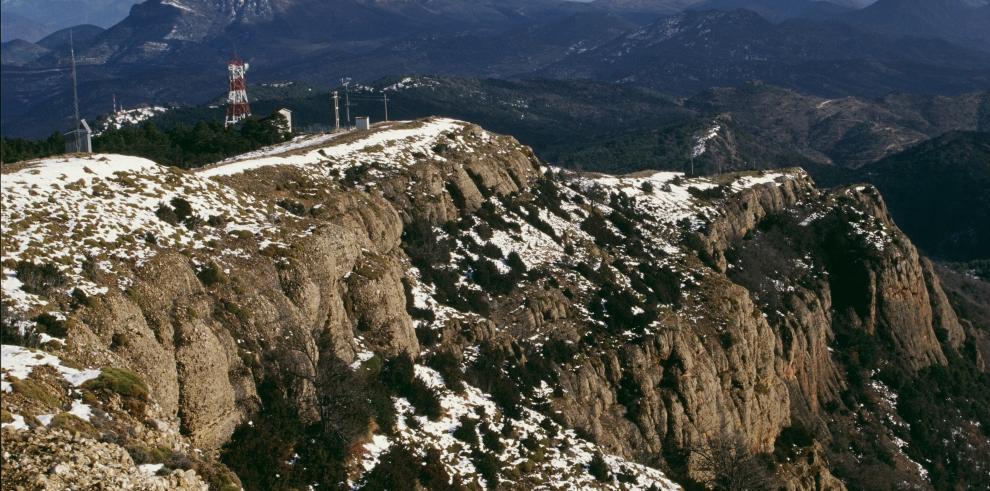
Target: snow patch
(19, 362)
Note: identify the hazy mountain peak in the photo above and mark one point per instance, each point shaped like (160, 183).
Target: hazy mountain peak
(41, 17)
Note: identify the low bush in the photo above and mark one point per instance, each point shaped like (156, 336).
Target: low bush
(450, 369)
(35, 391)
(400, 469)
(50, 325)
(10, 326)
(79, 298)
(709, 193)
(492, 251)
(596, 226)
(488, 467)
(72, 424)
(210, 275)
(398, 374)
(40, 279)
(467, 432)
(182, 207)
(146, 454)
(507, 396)
(292, 206)
(491, 439)
(599, 469)
(516, 264)
(123, 382)
(166, 214)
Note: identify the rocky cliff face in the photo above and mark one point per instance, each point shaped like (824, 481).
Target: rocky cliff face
(340, 307)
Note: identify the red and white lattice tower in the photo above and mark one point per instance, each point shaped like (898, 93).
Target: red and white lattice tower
(237, 101)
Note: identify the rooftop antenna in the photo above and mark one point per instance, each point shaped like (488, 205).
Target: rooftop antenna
(75, 91)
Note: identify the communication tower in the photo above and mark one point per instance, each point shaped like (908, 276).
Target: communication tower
(237, 102)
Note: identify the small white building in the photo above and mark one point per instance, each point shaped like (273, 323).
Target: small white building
(362, 122)
(287, 114)
(79, 140)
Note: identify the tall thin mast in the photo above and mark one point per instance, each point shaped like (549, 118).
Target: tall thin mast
(347, 100)
(336, 111)
(75, 91)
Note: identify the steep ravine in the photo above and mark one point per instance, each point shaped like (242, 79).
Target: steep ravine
(302, 315)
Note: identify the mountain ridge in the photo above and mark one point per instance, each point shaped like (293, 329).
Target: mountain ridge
(290, 297)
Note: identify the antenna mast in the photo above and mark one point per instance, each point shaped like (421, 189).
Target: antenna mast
(336, 111)
(75, 91)
(347, 100)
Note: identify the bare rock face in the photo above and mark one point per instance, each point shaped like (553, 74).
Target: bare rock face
(377, 304)
(468, 168)
(809, 472)
(744, 211)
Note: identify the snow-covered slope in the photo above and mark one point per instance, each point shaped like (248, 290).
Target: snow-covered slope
(104, 214)
(334, 152)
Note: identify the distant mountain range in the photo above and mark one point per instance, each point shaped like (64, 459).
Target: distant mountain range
(965, 22)
(174, 51)
(31, 20)
(699, 49)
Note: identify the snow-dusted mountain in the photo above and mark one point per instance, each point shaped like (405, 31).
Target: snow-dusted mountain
(427, 305)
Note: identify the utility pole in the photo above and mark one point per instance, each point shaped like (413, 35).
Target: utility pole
(75, 91)
(336, 111)
(385, 94)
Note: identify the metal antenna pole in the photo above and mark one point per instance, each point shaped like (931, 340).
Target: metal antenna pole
(347, 101)
(385, 94)
(75, 91)
(336, 111)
